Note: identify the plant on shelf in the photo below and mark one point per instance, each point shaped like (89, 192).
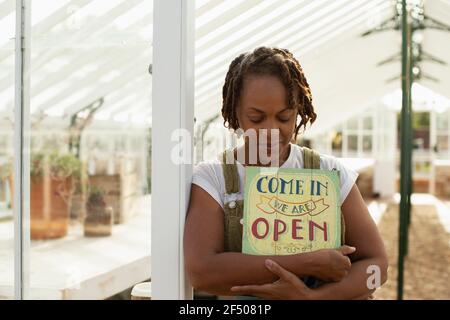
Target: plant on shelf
(5, 170)
(59, 165)
(51, 180)
(79, 121)
(99, 218)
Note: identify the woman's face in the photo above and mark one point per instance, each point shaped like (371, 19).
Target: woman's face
(263, 105)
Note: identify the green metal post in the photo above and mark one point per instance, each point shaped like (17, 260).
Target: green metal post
(405, 155)
(410, 135)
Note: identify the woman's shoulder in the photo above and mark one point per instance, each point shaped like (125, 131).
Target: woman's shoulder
(347, 174)
(208, 167)
(208, 175)
(210, 164)
(327, 161)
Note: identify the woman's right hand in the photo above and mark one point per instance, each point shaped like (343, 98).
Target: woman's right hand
(331, 265)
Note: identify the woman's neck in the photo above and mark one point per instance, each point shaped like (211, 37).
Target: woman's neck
(282, 156)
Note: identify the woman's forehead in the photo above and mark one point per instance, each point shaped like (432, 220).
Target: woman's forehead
(264, 93)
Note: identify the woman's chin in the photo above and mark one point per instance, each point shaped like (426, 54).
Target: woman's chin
(271, 150)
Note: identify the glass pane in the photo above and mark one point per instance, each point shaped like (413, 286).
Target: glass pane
(442, 121)
(352, 142)
(421, 130)
(367, 143)
(90, 147)
(367, 123)
(321, 143)
(336, 143)
(7, 43)
(442, 143)
(422, 167)
(352, 124)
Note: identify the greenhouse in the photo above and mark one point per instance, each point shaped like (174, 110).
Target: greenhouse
(98, 97)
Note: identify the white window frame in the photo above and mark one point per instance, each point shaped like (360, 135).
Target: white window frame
(173, 108)
(21, 210)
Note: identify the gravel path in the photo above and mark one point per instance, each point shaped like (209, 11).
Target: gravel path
(427, 266)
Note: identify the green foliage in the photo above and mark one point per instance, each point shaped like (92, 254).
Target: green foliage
(60, 166)
(96, 195)
(5, 170)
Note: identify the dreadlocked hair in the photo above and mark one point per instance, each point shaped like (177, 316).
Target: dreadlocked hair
(268, 61)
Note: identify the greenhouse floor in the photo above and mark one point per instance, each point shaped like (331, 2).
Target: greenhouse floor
(427, 265)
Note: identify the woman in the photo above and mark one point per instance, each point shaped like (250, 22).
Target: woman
(266, 90)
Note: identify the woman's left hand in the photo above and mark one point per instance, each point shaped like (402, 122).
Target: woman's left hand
(287, 287)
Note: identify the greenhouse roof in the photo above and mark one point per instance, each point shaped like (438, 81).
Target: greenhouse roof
(82, 51)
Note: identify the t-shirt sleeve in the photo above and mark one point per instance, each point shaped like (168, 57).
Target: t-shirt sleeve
(347, 175)
(205, 176)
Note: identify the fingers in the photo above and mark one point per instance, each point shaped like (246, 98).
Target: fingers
(249, 289)
(366, 296)
(280, 271)
(346, 250)
(262, 291)
(348, 263)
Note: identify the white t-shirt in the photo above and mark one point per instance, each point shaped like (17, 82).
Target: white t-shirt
(209, 175)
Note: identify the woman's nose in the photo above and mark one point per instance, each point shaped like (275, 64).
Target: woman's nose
(270, 125)
(269, 132)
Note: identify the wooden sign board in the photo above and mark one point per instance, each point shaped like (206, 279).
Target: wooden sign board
(289, 211)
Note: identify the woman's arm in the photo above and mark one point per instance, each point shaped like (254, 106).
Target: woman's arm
(362, 233)
(212, 270)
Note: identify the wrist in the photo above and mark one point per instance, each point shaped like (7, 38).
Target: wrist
(324, 292)
(314, 264)
(308, 264)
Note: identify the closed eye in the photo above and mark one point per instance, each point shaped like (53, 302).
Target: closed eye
(284, 120)
(256, 120)
(285, 115)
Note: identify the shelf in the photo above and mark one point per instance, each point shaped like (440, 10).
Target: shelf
(76, 267)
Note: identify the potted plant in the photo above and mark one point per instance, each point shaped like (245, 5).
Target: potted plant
(78, 200)
(51, 187)
(99, 218)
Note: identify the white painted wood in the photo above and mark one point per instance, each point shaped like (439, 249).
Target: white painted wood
(21, 147)
(6, 7)
(99, 32)
(233, 12)
(77, 267)
(55, 17)
(134, 69)
(173, 92)
(385, 169)
(127, 65)
(212, 77)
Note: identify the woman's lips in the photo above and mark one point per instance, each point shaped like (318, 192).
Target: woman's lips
(269, 146)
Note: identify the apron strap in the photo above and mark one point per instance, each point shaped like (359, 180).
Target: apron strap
(230, 172)
(311, 159)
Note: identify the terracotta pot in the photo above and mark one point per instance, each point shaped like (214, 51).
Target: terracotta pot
(49, 207)
(11, 189)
